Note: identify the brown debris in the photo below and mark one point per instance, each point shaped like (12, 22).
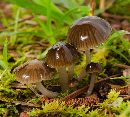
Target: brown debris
(122, 90)
(117, 17)
(87, 101)
(24, 114)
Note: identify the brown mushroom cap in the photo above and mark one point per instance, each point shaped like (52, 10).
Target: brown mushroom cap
(32, 72)
(93, 68)
(74, 52)
(59, 56)
(88, 32)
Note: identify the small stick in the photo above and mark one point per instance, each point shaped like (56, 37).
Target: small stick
(92, 4)
(126, 98)
(21, 20)
(18, 86)
(115, 16)
(122, 66)
(102, 5)
(20, 103)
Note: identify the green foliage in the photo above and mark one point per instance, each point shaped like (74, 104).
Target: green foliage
(53, 14)
(13, 38)
(59, 15)
(116, 49)
(112, 96)
(120, 7)
(4, 58)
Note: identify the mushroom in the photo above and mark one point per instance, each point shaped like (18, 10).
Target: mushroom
(60, 57)
(35, 71)
(87, 33)
(93, 69)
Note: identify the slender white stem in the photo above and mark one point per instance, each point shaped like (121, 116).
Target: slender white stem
(63, 78)
(88, 58)
(92, 81)
(83, 73)
(45, 92)
(71, 72)
(34, 91)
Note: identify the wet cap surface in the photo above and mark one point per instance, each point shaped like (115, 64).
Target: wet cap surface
(74, 52)
(32, 72)
(59, 55)
(88, 32)
(93, 68)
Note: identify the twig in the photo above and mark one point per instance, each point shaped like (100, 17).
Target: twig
(19, 86)
(82, 90)
(102, 5)
(21, 20)
(115, 16)
(20, 103)
(122, 66)
(126, 98)
(92, 4)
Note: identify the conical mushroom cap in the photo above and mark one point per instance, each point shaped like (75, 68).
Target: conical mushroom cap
(59, 56)
(88, 32)
(32, 72)
(93, 68)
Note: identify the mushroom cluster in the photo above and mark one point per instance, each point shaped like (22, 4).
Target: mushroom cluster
(85, 34)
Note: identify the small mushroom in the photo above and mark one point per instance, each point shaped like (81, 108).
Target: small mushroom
(60, 57)
(93, 69)
(87, 33)
(34, 72)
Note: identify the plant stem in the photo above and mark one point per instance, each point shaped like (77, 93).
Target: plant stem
(45, 91)
(83, 73)
(102, 5)
(92, 4)
(63, 78)
(34, 91)
(92, 81)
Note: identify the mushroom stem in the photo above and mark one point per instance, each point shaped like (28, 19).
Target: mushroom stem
(45, 92)
(63, 78)
(70, 71)
(34, 91)
(92, 81)
(83, 73)
(88, 58)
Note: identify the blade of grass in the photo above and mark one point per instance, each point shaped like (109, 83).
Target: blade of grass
(5, 53)
(119, 53)
(38, 9)
(13, 38)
